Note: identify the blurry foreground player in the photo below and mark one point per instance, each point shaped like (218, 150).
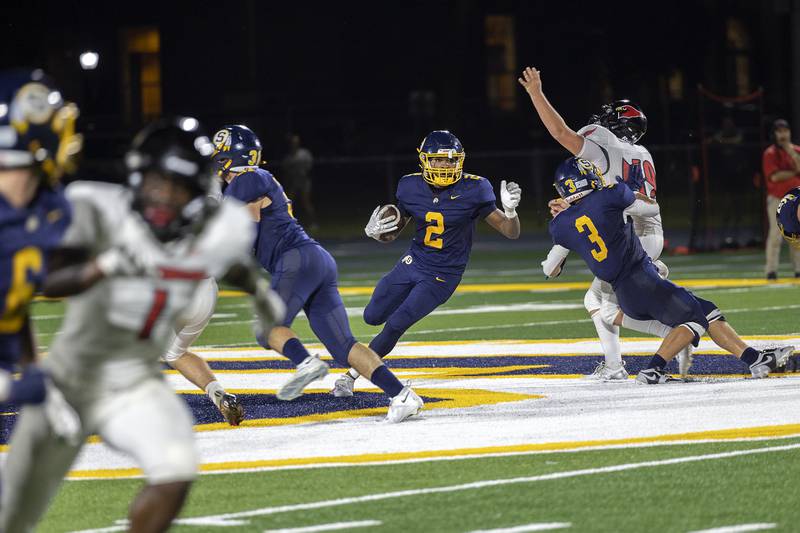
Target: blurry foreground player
(444, 202)
(610, 142)
(596, 227)
(304, 274)
(37, 144)
(131, 261)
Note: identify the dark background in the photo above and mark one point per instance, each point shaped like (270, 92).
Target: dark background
(362, 83)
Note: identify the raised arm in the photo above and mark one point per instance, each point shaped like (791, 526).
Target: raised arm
(507, 221)
(558, 129)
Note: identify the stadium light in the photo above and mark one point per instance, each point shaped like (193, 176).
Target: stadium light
(89, 60)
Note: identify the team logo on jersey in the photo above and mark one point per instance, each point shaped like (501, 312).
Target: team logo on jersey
(407, 260)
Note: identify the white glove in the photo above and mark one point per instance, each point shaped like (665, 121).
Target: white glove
(118, 262)
(64, 420)
(377, 227)
(510, 195)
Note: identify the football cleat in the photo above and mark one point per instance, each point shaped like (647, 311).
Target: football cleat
(603, 372)
(685, 358)
(769, 360)
(343, 388)
(311, 369)
(404, 405)
(654, 376)
(231, 409)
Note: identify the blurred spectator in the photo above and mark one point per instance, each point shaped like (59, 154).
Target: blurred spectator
(781, 166)
(296, 177)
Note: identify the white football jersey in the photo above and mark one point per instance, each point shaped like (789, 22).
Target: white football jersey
(614, 158)
(114, 334)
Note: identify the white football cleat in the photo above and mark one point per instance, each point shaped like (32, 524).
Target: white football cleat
(311, 369)
(404, 405)
(769, 360)
(603, 372)
(343, 388)
(685, 358)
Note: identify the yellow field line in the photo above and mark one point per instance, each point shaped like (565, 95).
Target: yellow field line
(787, 430)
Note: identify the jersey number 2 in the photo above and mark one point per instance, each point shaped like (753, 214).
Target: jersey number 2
(582, 224)
(20, 291)
(437, 228)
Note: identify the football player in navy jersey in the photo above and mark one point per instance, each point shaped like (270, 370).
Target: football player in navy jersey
(37, 145)
(788, 217)
(303, 273)
(597, 227)
(444, 203)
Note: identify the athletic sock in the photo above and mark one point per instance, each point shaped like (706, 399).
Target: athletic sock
(215, 392)
(387, 381)
(609, 341)
(657, 362)
(386, 340)
(294, 350)
(651, 327)
(749, 355)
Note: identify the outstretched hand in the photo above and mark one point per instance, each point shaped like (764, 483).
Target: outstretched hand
(531, 80)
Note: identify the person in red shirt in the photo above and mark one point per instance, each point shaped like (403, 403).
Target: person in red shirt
(781, 166)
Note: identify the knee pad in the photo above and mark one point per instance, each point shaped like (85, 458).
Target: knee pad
(711, 311)
(663, 270)
(178, 463)
(608, 311)
(372, 315)
(593, 299)
(697, 328)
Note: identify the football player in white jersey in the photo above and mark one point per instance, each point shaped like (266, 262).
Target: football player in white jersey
(609, 142)
(130, 264)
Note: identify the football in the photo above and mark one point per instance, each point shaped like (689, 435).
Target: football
(388, 211)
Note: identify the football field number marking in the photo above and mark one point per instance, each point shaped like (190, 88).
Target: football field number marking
(20, 291)
(436, 229)
(583, 223)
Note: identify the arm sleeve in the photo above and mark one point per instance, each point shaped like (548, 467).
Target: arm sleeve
(640, 208)
(249, 187)
(595, 146)
(84, 228)
(486, 200)
(555, 258)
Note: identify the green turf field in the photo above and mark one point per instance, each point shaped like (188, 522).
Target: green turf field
(575, 488)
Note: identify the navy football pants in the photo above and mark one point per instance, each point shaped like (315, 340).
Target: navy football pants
(643, 295)
(402, 298)
(306, 278)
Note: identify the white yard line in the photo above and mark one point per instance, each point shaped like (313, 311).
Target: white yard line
(327, 527)
(737, 529)
(546, 526)
(222, 519)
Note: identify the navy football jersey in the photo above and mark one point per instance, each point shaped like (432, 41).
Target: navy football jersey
(444, 218)
(278, 230)
(595, 229)
(26, 235)
(787, 212)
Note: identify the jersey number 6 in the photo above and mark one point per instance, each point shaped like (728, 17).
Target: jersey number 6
(583, 223)
(437, 228)
(21, 290)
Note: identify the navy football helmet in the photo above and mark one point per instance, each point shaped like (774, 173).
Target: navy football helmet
(176, 150)
(786, 215)
(576, 178)
(37, 127)
(236, 149)
(624, 119)
(441, 145)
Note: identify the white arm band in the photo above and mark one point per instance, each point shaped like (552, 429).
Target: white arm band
(640, 208)
(555, 257)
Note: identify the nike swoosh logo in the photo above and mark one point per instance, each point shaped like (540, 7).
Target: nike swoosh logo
(439, 279)
(454, 197)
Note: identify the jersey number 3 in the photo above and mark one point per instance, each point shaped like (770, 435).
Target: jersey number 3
(437, 228)
(582, 224)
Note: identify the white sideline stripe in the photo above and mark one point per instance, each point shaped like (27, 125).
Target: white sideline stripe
(737, 529)
(327, 527)
(501, 326)
(480, 484)
(544, 526)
